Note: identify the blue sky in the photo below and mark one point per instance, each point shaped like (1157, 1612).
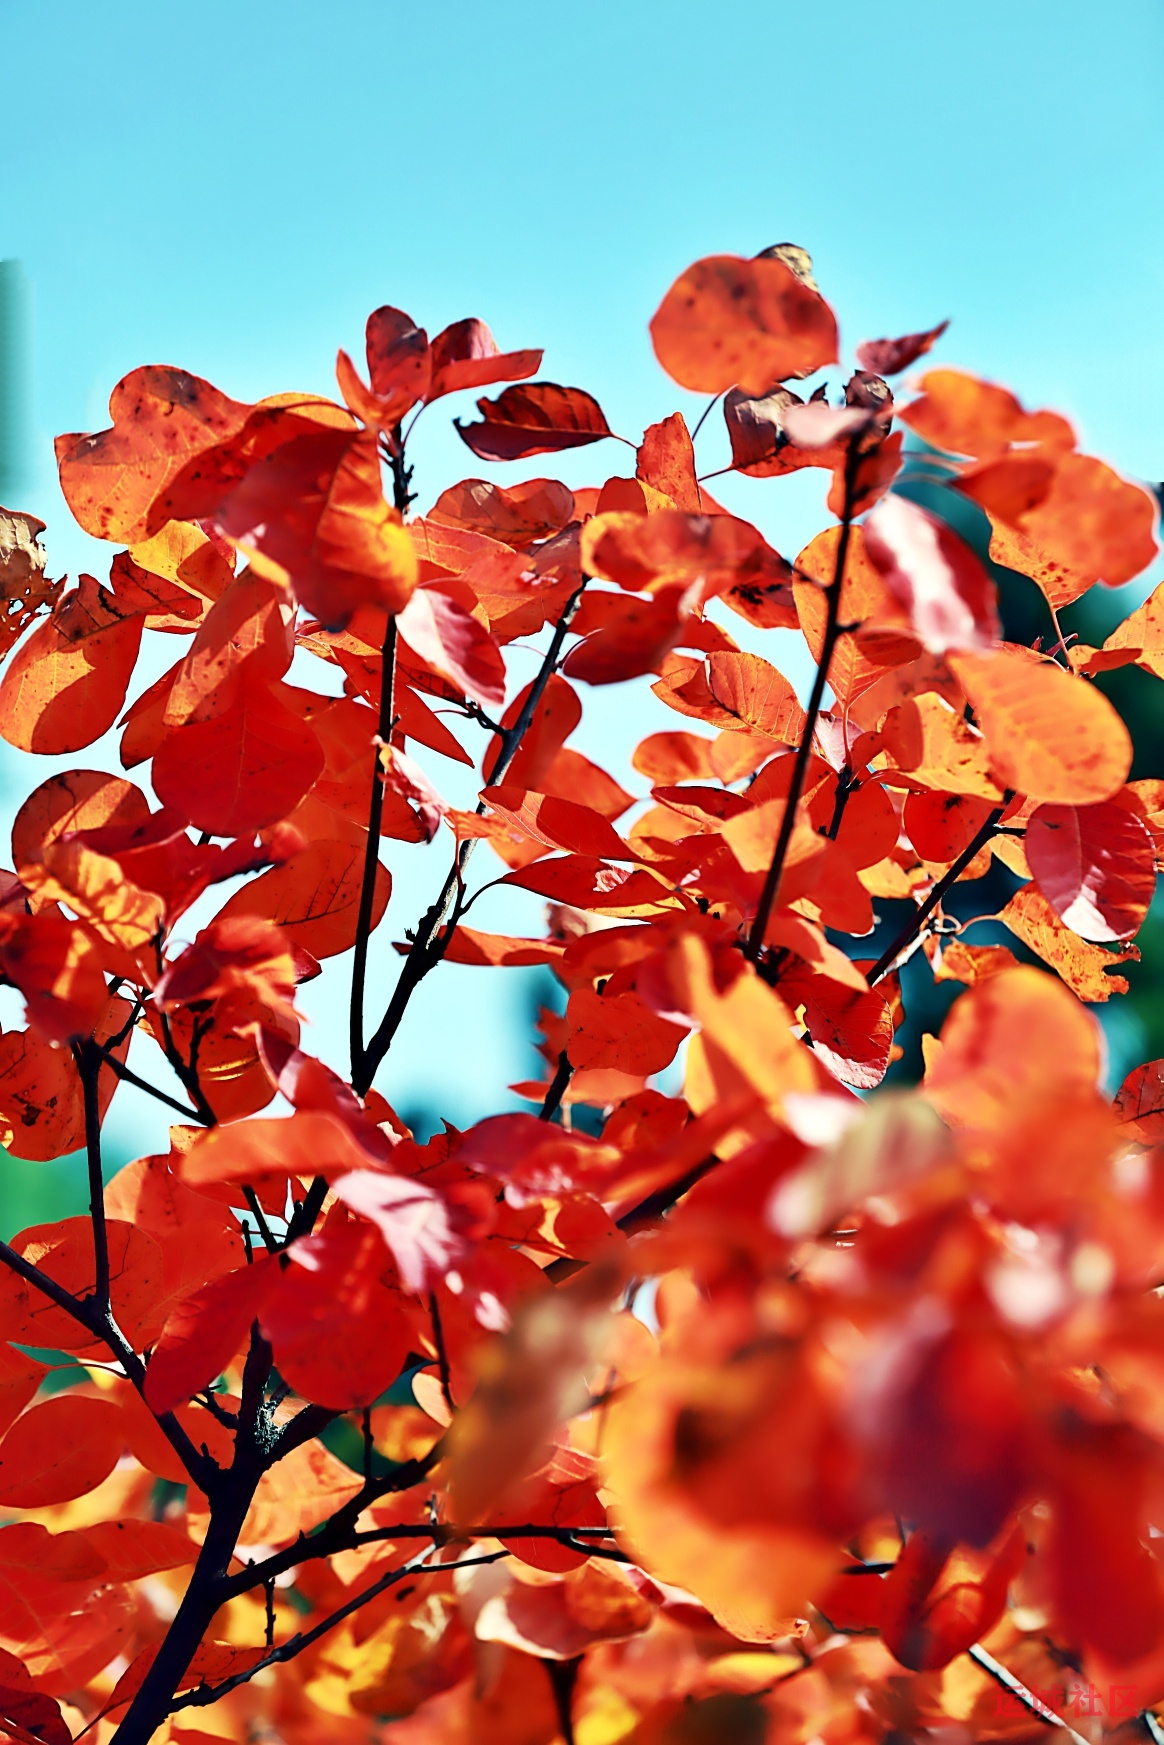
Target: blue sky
(232, 187)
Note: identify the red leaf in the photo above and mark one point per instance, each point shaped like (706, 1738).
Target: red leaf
(887, 357)
(452, 642)
(65, 686)
(1096, 866)
(541, 419)
(1139, 1103)
(465, 355)
(338, 1326)
(242, 770)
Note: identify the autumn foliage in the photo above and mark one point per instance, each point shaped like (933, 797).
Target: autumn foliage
(755, 1408)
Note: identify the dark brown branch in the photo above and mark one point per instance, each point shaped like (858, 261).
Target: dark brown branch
(557, 1090)
(206, 1694)
(187, 1070)
(948, 879)
(270, 1241)
(47, 1286)
(438, 1339)
(372, 848)
(131, 1078)
(432, 934)
(88, 1061)
(755, 942)
(325, 1544)
(202, 1598)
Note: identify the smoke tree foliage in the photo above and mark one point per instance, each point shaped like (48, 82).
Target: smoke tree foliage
(313, 1431)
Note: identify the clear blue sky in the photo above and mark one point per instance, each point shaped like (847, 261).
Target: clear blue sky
(232, 187)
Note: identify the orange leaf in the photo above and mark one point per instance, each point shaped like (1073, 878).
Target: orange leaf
(399, 364)
(963, 415)
(465, 355)
(65, 1252)
(618, 1030)
(557, 823)
(42, 1100)
(888, 357)
(1017, 1038)
(1089, 526)
(938, 1602)
(313, 515)
(666, 462)
(1139, 1103)
(1082, 966)
(58, 968)
(336, 1319)
(162, 418)
(759, 696)
(310, 1142)
(529, 1380)
(248, 629)
(454, 645)
(1050, 735)
(65, 685)
(727, 320)
(203, 1333)
(74, 800)
(710, 554)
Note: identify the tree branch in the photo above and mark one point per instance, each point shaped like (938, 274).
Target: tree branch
(187, 1071)
(431, 942)
(948, 879)
(557, 1089)
(209, 1693)
(372, 848)
(755, 943)
(131, 1078)
(88, 1061)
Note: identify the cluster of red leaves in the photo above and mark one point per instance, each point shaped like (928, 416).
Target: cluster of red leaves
(754, 1412)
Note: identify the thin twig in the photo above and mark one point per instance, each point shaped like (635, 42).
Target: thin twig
(1014, 1687)
(438, 1339)
(372, 847)
(186, 1070)
(131, 1078)
(755, 943)
(948, 879)
(270, 1240)
(88, 1062)
(432, 935)
(418, 1565)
